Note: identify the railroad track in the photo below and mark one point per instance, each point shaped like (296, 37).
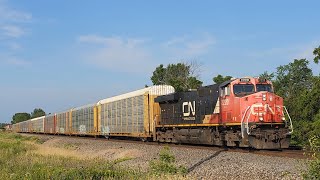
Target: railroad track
(293, 151)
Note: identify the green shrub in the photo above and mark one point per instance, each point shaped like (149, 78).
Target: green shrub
(165, 164)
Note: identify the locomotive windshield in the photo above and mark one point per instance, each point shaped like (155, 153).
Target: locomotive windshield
(264, 87)
(243, 89)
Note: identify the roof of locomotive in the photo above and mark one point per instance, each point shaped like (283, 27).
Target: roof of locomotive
(226, 83)
(180, 95)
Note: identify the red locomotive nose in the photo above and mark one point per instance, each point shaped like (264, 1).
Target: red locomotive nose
(265, 107)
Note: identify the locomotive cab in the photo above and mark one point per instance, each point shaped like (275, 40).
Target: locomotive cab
(252, 104)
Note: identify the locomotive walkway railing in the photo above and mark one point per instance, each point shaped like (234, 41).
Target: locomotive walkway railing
(242, 122)
(245, 124)
(291, 126)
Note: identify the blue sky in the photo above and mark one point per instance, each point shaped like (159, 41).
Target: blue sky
(61, 54)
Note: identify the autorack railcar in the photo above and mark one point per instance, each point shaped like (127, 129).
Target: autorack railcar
(37, 125)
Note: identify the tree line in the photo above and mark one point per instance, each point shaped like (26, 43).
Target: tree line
(300, 89)
(23, 116)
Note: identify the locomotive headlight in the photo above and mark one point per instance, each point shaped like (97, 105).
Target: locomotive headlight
(264, 97)
(283, 118)
(261, 118)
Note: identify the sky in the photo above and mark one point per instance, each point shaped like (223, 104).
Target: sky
(59, 54)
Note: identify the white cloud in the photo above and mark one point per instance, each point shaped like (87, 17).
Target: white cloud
(306, 50)
(12, 21)
(12, 28)
(175, 40)
(279, 51)
(12, 31)
(17, 61)
(190, 46)
(119, 54)
(138, 54)
(111, 41)
(8, 14)
(296, 51)
(14, 46)
(91, 38)
(284, 55)
(11, 59)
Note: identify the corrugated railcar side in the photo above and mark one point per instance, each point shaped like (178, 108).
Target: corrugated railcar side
(25, 126)
(83, 120)
(16, 127)
(63, 124)
(37, 124)
(50, 124)
(131, 114)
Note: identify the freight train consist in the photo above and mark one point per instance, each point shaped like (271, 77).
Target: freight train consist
(242, 112)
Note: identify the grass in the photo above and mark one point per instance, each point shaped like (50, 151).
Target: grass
(18, 161)
(70, 146)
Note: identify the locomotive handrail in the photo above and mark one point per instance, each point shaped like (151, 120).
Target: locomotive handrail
(291, 126)
(247, 125)
(242, 120)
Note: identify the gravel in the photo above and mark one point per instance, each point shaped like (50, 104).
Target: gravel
(203, 163)
(233, 165)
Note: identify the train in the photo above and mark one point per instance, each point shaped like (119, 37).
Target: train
(241, 112)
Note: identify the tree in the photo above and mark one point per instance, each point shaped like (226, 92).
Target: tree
(158, 77)
(220, 79)
(37, 112)
(316, 52)
(182, 76)
(309, 101)
(293, 78)
(300, 90)
(19, 117)
(266, 75)
(293, 82)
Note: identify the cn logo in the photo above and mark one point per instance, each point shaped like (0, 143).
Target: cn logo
(189, 108)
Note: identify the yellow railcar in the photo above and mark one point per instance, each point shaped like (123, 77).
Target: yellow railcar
(131, 114)
(37, 125)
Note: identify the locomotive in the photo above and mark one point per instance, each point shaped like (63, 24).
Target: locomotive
(242, 112)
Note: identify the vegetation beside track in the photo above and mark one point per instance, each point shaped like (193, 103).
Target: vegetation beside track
(18, 161)
(313, 171)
